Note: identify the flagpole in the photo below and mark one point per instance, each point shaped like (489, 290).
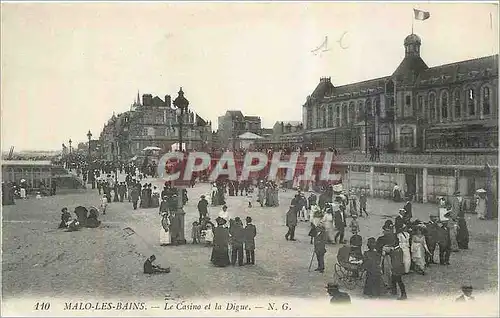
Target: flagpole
(412, 22)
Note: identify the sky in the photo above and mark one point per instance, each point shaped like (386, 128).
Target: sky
(66, 67)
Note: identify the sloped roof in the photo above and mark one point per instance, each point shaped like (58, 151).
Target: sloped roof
(360, 86)
(410, 65)
(324, 87)
(454, 71)
(157, 101)
(200, 121)
(292, 123)
(234, 113)
(249, 135)
(252, 117)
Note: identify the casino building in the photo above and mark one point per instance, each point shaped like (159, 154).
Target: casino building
(445, 108)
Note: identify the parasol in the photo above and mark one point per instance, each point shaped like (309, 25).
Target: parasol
(480, 191)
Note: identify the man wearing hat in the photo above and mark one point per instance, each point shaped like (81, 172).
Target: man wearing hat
(291, 223)
(338, 297)
(320, 247)
(397, 270)
(203, 208)
(399, 221)
(431, 237)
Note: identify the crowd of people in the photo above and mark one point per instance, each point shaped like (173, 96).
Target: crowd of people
(406, 246)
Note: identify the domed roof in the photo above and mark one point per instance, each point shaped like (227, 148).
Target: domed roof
(413, 39)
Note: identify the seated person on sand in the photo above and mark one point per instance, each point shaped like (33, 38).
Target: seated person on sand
(73, 225)
(92, 221)
(65, 217)
(149, 268)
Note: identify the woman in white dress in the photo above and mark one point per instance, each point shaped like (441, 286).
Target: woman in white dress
(418, 250)
(165, 230)
(404, 244)
(328, 223)
(481, 206)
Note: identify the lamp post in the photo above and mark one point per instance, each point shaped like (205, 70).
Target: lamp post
(115, 198)
(90, 171)
(181, 103)
(70, 155)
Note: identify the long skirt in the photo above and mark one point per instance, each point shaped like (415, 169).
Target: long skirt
(220, 256)
(406, 259)
(462, 234)
(164, 237)
(374, 285)
(387, 270)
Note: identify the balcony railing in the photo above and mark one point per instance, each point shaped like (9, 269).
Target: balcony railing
(443, 159)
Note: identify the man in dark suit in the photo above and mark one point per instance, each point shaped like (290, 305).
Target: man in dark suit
(202, 208)
(250, 233)
(320, 247)
(338, 297)
(431, 238)
(340, 223)
(444, 241)
(400, 220)
(291, 223)
(237, 239)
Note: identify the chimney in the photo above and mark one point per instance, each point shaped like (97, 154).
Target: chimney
(168, 101)
(147, 100)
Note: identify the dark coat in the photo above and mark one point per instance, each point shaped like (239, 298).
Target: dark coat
(164, 206)
(134, 194)
(443, 236)
(374, 282)
(340, 222)
(237, 235)
(291, 217)
(397, 264)
(203, 206)
(398, 222)
(432, 233)
(320, 242)
(407, 208)
(250, 233)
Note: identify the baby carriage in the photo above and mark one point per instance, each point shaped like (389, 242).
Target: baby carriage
(349, 269)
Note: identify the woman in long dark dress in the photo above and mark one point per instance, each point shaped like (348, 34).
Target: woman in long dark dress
(374, 284)
(462, 234)
(220, 251)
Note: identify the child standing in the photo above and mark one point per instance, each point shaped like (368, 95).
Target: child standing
(195, 232)
(354, 225)
(209, 235)
(104, 204)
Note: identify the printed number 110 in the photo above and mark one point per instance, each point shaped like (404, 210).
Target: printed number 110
(42, 306)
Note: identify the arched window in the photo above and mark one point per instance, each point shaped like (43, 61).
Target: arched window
(458, 104)
(361, 111)
(323, 116)
(406, 137)
(486, 100)
(377, 106)
(337, 116)
(330, 116)
(352, 113)
(368, 107)
(444, 105)
(420, 102)
(471, 102)
(309, 118)
(344, 114)
(432, 106)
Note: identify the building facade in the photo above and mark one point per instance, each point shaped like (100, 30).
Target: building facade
(446, 108)
(233, 123)
(152, 123)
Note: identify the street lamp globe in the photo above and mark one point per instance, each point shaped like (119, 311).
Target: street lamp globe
(89, 135)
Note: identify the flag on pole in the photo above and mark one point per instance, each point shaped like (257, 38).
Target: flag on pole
(421, 15)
